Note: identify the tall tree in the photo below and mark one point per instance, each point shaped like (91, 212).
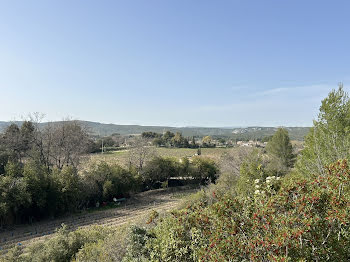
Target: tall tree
(329, 138)
(280, 150)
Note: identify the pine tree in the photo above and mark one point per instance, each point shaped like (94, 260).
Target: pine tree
(329, 138)
(281, 148)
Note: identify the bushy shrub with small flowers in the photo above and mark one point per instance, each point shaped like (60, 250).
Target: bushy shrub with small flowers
(294, 218)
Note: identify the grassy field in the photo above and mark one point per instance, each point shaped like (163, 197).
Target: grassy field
(121, 157)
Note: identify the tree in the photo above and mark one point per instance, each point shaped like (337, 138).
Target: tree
(64, 143)
(204, 169)
(150, 135)
(160, 169)
(206, 140)
(139, 153)
(13, 195)
(179, 141)
(280, 150)
(329, 138)
(193, 142)
(167, 136)
(157, 141)
(12, 142)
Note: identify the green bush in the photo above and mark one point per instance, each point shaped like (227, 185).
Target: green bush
(103, 182)
(295, 218)
(160, 169)
(62, 247)
(204, 169)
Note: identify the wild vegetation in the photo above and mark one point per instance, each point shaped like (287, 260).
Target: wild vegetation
(40, 178)
(271, 212)
(267, 204)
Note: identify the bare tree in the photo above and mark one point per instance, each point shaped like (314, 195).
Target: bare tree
(230, 164)
(140, 152)
(57, 143)
(66, 141)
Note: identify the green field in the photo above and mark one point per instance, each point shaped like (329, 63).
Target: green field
(121, 157)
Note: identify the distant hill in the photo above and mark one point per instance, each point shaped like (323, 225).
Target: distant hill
(256, 132)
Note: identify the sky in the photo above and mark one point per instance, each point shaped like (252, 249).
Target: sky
(172, 62)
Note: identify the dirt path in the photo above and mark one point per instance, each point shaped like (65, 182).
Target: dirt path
(140, 205)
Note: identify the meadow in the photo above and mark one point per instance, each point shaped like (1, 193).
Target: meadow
(121, 157)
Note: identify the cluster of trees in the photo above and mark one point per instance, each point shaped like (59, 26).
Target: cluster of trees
(39, 172)
(56, 145)
(169, 139)
(198, 170)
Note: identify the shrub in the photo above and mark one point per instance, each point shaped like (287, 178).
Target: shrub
(160, 169)
(62, 247)
(104, 181)
(204, 169)
(295, 218)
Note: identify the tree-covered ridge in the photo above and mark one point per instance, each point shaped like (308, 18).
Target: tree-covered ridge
(239, 133)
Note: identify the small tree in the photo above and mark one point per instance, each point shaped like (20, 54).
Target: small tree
(280, 149)
(139, 153)
(206, 141)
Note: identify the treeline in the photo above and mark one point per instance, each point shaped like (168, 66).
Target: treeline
(39, 174)
(38, 170)
(169, 139)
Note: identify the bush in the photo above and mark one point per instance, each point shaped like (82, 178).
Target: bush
(62, 247)
(103, 182)
(160, 169)
(295, 218)
(204, 169)
(111, 248)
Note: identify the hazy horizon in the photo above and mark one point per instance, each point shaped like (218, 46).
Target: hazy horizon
(106, 123)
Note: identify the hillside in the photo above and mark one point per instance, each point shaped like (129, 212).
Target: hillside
(96, 128)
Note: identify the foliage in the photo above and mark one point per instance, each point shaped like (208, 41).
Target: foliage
(206, 141)
(280, 152)
(103, 182)
(296, 219)
(280, 147)
(151, 135)
(160, 169)
(204, 169)
(169, 139)
(329, 138)
(62, 247)
(252, 168)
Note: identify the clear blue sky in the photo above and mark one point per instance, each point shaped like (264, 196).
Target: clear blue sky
(173, 62)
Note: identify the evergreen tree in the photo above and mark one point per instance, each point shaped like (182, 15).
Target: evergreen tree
(280, 148)
(329, 138)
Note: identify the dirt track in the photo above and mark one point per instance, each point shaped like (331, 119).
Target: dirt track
(136, 207)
